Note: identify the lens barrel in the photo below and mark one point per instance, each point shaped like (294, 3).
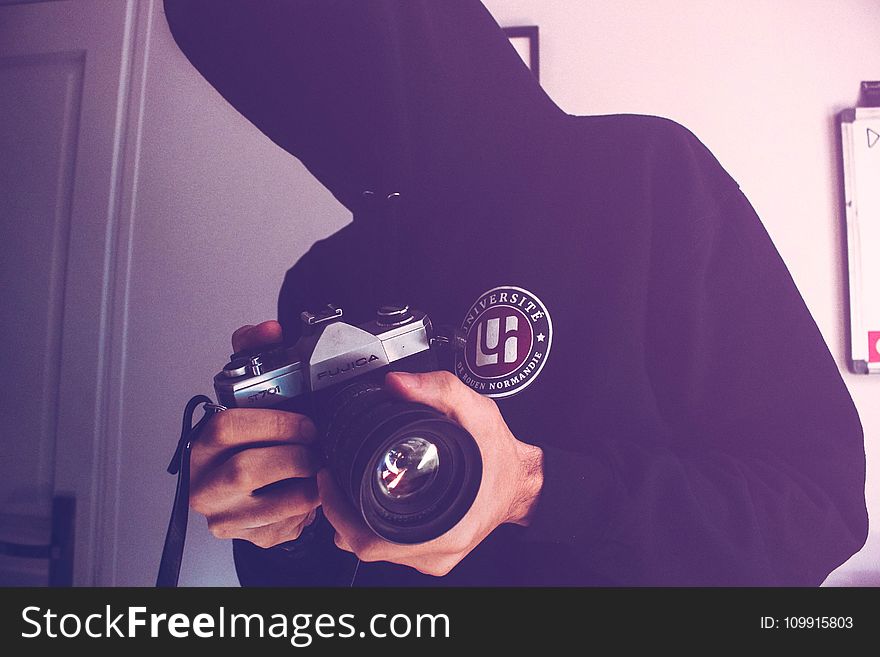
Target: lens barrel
(410, 471)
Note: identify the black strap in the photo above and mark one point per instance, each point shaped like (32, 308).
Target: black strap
(381, 219)
(394, 268)
(172, 553)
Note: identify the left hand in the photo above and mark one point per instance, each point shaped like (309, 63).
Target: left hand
(511, 483)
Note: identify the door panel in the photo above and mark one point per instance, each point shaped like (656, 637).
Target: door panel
(40, 99)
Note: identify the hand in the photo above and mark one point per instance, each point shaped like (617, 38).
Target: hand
(511, 483)
(253, 470)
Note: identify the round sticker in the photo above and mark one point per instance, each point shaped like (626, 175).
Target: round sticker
(508, 335)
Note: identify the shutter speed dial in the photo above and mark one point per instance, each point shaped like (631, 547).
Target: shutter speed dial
(242, 366)
(393, 315)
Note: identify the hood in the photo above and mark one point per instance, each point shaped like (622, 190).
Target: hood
(409, 97)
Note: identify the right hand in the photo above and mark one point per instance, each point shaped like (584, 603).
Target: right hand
(253, 470)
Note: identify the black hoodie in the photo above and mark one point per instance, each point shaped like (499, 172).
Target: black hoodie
(695, 428)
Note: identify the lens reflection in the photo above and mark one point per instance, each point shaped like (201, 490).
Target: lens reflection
(408, 467)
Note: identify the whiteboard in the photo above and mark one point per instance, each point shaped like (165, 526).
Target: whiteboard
(860, 132)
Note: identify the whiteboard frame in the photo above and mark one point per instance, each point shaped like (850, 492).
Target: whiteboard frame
(858, 286)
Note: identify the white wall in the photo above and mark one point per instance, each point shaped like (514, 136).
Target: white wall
(225, 212)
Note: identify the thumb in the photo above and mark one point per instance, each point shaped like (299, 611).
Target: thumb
(440, 390)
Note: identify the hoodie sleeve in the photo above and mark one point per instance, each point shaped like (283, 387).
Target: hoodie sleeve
(758, 476)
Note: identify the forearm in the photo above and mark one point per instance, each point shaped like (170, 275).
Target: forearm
(529, 484)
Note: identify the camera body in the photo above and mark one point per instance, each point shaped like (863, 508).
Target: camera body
(412, 472)
(329, 353)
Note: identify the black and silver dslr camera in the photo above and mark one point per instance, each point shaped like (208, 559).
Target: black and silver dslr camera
(408, 469)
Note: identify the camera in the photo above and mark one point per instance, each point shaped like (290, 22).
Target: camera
(410, 471)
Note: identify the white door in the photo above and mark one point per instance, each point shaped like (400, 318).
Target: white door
(63, 84)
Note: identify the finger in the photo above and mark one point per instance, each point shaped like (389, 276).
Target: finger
(240, 427)
(252, 469)
(341, 543)
(353, 532)
(286, 499)
(253, 336)
(285, 530)
(237, 335)
(440, 390)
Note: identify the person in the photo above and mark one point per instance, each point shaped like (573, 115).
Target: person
(653, 402)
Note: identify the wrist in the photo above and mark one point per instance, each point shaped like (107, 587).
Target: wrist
(530, 482)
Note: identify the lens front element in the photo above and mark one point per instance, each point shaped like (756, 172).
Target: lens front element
(408, 468)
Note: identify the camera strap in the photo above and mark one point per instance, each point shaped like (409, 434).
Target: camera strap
(175, 537)
(383, 221)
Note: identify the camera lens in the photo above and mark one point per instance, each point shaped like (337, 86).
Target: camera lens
(408, 468)
(411, 472)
